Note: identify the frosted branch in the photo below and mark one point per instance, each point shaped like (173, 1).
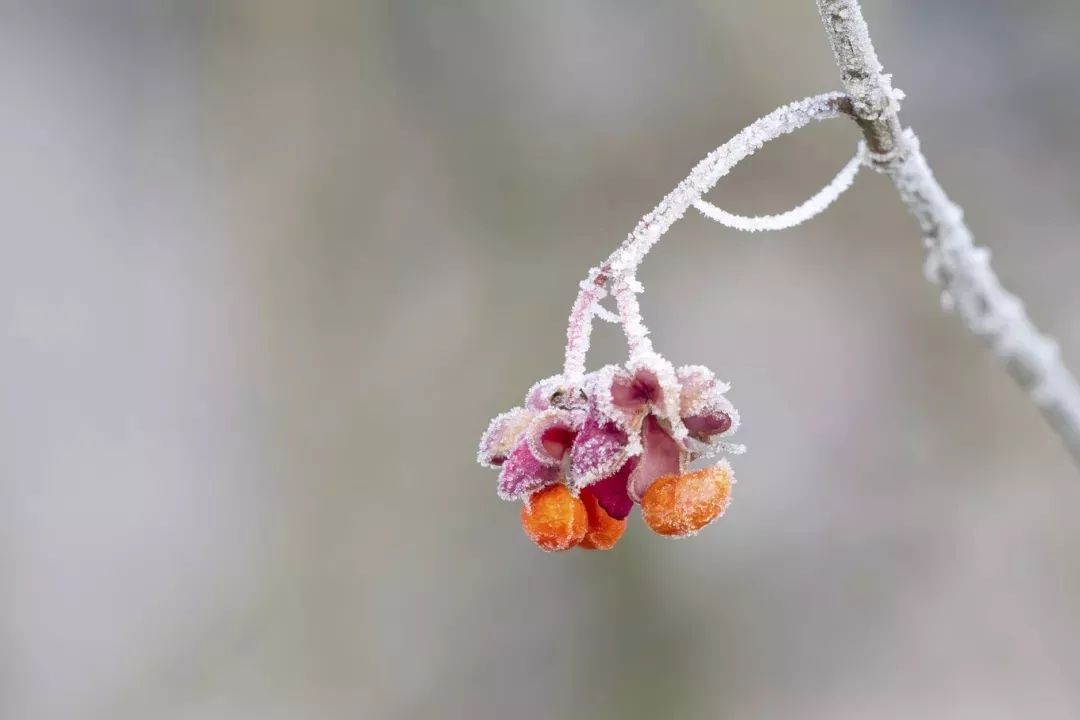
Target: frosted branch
(617, 272)
(717, 164)
(796, 216)
(969, 285)
(579, 328)
(625, 291)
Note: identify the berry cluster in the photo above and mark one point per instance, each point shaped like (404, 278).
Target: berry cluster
(581, 454)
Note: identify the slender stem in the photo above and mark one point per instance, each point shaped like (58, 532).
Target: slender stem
(962, 270)
(637, 335)
(579, 329)
(617, 272)
(788, 118)
(816, 205)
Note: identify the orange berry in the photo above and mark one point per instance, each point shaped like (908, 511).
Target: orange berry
(604, 531)
(680, 505)
(554, 519)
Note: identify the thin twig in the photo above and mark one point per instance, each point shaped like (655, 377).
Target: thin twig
(815, 205)
(617, 272)
(962, 270)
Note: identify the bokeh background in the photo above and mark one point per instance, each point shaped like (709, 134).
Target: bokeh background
(268, 267)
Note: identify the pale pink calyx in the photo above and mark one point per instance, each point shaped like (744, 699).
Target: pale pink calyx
(502, 434)
(648, 413)
(660, 456)
(706, 412)
(523, 473)
(599, 450)
(551, 434)
(647, 385)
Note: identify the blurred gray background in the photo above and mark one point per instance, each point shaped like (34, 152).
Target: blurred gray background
(268, 267)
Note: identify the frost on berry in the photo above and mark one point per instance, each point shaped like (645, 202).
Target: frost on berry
(679, 505)
(554, 519)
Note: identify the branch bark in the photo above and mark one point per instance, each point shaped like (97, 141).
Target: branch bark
(968, 284)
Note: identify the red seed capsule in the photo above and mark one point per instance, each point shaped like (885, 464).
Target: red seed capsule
(604, 531)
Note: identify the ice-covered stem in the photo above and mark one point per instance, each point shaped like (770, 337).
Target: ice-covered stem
(796, 216)
(617, 272)
(788, 118)
(625, 290)
(962, 270)
(873, 103)
(579, 328)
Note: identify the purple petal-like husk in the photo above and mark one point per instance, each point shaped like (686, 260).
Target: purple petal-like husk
(551, 434)
(631, 392)
(612, 494)
(539, 395)
(707, 424)
(502, 435)
(705, 411)
(696, 382)
(523, 474)
(599, 450)
(661, 456)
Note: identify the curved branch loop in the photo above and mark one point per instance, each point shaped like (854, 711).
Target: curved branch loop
(816, 205)
(617, 273)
